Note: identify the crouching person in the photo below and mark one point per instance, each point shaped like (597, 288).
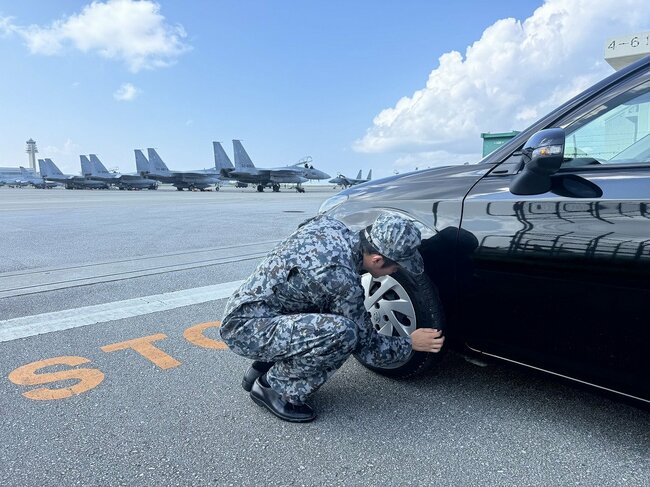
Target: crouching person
(300, 315)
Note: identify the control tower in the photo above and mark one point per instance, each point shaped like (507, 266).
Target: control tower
(32, 150)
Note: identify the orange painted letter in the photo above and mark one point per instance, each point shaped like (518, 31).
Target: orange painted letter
(27, 376)
(195, 335)
(145, 348)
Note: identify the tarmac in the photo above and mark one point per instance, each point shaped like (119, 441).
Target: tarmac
(117, 295)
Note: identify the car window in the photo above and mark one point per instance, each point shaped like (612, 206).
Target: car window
(616, 132)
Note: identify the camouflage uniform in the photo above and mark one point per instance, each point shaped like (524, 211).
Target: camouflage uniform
(302, 308)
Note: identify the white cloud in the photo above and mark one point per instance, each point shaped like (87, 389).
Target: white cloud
(6, 26)
(126, 92)
(514, 74)
(68, 148)
(133, 32)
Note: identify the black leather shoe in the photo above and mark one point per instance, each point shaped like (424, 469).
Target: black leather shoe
(256, 370)
(266, 397)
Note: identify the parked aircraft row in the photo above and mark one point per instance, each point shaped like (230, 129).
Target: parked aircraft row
(152, 170)
(346, 182)
(50, 172)
(92, 168)
(27, 177)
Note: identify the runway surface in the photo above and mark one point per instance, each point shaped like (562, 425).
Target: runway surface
(117, 295)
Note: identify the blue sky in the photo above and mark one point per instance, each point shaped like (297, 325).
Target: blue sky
(363, 84)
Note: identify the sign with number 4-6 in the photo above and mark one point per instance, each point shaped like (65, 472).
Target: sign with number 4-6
(621, 51)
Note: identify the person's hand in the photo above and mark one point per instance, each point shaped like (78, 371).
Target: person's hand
(427, 340)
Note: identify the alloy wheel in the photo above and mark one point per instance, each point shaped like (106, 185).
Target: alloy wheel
(389, 305)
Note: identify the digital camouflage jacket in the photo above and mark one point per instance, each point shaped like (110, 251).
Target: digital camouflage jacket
(315, 270)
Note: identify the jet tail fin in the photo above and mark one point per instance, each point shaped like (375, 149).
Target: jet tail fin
(155, 161)
(86, 166)
(369, 175)
(96, 165)
(141, 162)
(359, 175)
(221, 159)
(50, 168)
(242, 159)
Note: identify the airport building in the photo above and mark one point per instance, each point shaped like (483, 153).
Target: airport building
(10, 172)
(624, 50)
(32, 169)
(492, 142)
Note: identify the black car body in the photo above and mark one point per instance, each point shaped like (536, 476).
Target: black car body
(540, 253)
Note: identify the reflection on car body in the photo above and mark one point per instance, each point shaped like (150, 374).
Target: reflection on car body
(540, 254)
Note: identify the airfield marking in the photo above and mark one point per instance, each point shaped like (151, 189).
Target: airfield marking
(89, 378)
(27, 376)
(27, 326)
(195, 335)
(37, 282)
(144, 347)
(132, 260)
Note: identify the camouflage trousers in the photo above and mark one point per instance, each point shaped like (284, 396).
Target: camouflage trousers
(307, 348)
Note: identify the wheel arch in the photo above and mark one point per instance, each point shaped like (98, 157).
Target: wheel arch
(437, 247)
(439, 226)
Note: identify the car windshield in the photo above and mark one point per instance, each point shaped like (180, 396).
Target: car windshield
(616, 132)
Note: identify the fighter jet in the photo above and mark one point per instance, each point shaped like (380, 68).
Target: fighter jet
(50, 172)
(94, 169)
(13, 177)
(11, 180)
(155, 168)
(246, 172)
(28, 177)
(346, 182)
(7, 181)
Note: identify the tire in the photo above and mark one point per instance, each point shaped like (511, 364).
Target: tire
(419, 307)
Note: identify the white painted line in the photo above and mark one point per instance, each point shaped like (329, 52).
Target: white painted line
(27, 326)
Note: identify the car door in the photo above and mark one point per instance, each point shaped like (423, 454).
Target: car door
(561, 280)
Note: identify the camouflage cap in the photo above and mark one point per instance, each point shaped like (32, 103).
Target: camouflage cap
(398, 239)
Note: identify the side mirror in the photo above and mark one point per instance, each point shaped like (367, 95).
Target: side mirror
(542, 156)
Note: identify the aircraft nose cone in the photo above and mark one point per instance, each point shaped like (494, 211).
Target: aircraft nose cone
(318, 174)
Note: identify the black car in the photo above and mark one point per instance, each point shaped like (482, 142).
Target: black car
(540, 253)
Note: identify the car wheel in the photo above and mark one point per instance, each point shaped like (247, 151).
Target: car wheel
(398, 305)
